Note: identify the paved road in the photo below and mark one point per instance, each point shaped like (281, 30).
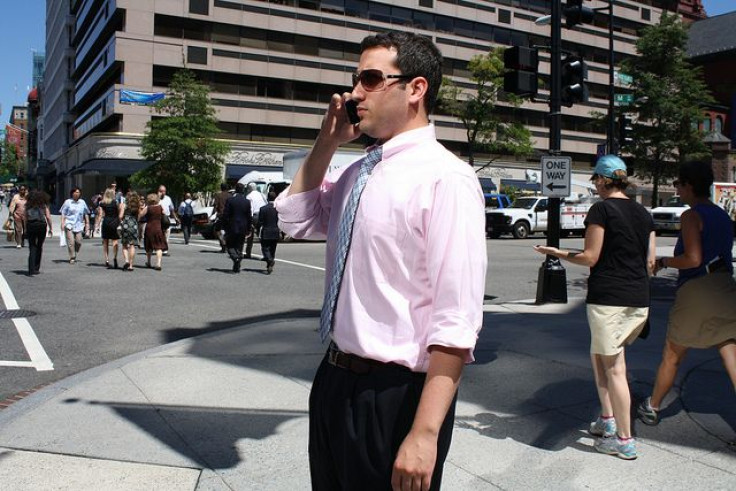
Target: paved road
(85, 315)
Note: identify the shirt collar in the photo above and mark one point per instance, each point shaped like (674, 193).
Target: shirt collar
(407, 139)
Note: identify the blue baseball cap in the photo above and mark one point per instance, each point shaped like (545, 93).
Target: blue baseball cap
(608, 165)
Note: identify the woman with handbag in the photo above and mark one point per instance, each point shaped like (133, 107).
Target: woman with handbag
(620, 251)
(155, 239)
(38, 222)
(108, 220)
(17, 209)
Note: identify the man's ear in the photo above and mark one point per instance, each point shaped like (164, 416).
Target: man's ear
(417, 89)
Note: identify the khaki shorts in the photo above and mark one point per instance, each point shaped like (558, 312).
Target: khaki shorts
(612, 328)
(704, 313)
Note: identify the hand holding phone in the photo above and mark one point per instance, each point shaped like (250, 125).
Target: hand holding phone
(351, 107)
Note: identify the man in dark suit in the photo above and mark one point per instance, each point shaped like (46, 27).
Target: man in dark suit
(238, 223)
(268, 219)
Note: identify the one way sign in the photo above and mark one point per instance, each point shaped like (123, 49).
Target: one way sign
(556, 176)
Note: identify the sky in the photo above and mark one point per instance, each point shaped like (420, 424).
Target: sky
(22, 30)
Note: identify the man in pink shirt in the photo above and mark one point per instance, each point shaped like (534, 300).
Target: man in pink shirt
(405, 277)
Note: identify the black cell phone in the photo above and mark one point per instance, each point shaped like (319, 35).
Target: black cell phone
(351, 107)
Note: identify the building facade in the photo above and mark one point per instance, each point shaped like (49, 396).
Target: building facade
(273, 65)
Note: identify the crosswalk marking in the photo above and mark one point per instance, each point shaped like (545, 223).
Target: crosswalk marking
(39, 359)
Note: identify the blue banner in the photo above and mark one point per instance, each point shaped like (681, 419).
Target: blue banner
(135, 97)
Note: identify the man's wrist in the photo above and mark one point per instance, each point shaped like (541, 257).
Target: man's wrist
(661, 264)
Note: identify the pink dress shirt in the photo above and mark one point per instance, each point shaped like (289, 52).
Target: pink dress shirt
(415, 272)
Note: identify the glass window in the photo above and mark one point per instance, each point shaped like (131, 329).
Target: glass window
(281, 41)
(719, 125)
(423, 20)
(226, 34)
(380, 12)
(253, 38)
(201, 7)
(504, 16)
(196, 54)
(706, 124)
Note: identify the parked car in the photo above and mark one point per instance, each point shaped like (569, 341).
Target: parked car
(667, 218)
(495, 201)
(203, 223)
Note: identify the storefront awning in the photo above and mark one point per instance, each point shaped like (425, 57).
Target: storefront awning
(522, 184)
(236, 171)
(111, 167)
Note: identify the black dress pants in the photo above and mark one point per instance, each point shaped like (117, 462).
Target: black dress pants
(234, 244)
(249, 241)
(357, 423)
(36, 235)
(268, 249)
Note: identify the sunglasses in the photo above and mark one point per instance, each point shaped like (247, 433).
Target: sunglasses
(374, 80)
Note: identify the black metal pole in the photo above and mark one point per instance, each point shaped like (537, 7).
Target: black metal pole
(552, 280)
(611, 89)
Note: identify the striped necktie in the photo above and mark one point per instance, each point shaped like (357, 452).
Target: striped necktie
(344, 236)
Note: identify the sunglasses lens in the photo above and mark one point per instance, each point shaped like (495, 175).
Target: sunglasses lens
(369, 79)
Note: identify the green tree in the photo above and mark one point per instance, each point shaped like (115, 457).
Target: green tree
(182, 145)
(11, 163)
(486, 131)
(668, 96)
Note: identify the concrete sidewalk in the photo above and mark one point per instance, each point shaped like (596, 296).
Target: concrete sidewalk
(228, 410)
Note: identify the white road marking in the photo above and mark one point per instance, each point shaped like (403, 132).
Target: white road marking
(259, 256)
(39, 359)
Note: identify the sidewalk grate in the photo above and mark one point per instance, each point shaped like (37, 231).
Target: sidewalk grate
(15, 313)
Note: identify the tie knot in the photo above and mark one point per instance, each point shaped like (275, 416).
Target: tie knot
(372, 158)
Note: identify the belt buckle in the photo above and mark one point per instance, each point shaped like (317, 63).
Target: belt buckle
(332, 355)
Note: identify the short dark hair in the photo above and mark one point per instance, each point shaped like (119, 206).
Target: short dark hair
(223, 186)
(417, 56)
(271, 195)
(74, 190)
(699, 175)
(240, 188)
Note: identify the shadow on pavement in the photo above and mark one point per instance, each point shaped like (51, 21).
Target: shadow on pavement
(531, 381)
(205, 435)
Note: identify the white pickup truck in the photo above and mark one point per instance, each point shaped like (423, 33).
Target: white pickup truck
(528, 215)
(667, 218)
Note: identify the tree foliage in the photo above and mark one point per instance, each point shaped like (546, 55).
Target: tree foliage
(668, 95)
(11, 163)
(182, 145)
(486, 131)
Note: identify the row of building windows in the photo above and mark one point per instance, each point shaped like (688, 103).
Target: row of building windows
(292, 90)
(288, 43)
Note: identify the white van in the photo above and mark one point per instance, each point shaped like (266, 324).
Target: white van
(265, 181)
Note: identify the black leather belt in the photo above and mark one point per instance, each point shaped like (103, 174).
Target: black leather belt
(357, 364)
(717, 265)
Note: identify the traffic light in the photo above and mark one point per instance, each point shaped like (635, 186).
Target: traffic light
(521, 64)
(575, 13)
(624, 130)
(574, 73)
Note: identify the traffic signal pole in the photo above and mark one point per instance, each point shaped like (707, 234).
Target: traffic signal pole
(552, 278)
(611, 89)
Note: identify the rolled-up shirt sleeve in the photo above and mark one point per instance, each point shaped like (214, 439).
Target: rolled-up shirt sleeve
(305, 215)
(456, 262)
